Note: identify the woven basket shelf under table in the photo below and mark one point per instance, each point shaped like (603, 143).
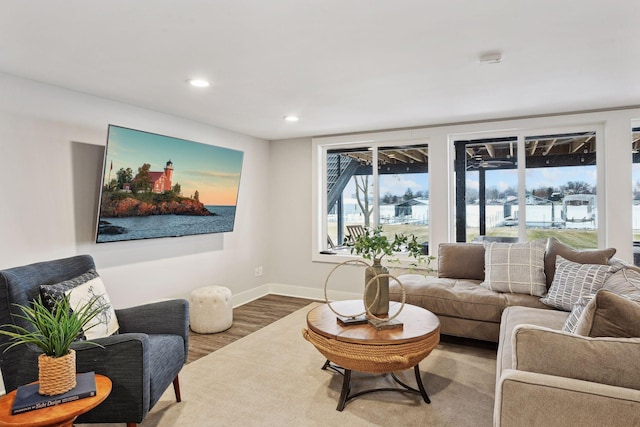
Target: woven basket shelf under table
(364, 348)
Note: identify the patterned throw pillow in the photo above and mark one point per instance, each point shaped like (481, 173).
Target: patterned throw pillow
(578, 308)
(573, 280)
(80, 290)
(625, 282)
(590, 256)
(105, 323)
(515, 267)
(52, 293)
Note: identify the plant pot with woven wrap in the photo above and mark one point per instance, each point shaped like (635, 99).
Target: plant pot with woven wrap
(56, 375)
(53, 331)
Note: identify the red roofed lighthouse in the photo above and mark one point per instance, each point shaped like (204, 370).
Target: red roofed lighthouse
(161, 181)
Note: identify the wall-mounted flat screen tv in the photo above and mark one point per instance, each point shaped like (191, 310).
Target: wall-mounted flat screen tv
(157, 186)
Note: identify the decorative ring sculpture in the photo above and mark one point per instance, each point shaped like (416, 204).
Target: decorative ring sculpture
(367, 309)
(383, 319)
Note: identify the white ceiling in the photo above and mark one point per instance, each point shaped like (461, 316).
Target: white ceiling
(341, 65)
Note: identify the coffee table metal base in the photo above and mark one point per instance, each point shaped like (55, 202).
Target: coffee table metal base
(345, 395)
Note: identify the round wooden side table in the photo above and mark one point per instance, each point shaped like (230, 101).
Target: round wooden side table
(61, 415)
(367, 349)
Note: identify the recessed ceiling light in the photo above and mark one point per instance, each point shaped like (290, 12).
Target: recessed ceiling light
(199, 83)
(291, 118)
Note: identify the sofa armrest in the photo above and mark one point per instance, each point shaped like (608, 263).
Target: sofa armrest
(165, 317)
(528, 398)
(124, 358)
(610, 361)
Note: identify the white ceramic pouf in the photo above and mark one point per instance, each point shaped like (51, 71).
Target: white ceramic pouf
(210, 309)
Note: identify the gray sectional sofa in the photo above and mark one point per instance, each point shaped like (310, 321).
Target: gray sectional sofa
(547, 377)
(465, 308)
(550, 371)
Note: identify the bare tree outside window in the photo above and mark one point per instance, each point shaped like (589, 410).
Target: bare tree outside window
(362, 196)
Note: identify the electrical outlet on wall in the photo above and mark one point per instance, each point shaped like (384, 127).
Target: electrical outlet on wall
(258, 271)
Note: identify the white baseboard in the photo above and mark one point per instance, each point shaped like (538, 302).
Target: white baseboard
(250, 295)
(290, 291)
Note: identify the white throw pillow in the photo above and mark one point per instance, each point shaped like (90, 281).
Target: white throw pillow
(573, 280)
(105, 322)
(515, 267)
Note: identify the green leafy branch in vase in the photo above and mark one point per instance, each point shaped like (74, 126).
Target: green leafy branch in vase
(373, 245)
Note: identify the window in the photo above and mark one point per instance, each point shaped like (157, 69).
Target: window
(635, 155)
(486, 189)
(383, 185)
(561, 188)
(404, 191)
(553, 193)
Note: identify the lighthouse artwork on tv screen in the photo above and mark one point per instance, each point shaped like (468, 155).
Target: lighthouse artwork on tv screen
(157, 186)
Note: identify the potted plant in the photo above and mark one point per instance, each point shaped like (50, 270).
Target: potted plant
(53, 331)
(373, 245)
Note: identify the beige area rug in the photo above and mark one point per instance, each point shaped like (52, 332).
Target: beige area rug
(273, 377)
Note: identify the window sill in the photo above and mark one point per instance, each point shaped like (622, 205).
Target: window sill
(340, 255)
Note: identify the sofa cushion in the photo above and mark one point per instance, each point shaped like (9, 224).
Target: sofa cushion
(554, 248)
(573, 280)
(608, 360)
(610, 315)
(523, 300)
(515, 267)
(450, 297)
(517, 315)
(461, 261)
(625, 282)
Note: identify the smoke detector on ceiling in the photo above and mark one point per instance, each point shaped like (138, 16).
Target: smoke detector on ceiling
(491, 58)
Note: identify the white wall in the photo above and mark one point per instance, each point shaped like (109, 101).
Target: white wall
(51, 152)
(292, 184)
(51, 148)
(291, 226)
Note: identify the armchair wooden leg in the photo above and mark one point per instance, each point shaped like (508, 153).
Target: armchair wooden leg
(176, 388)
(132, 424)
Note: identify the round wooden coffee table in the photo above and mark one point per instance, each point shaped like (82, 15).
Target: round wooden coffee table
(367, 349)
(61, 415)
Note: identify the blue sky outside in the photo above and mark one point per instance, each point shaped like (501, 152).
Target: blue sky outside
(536, 177)
(395, 184)
(213, 171)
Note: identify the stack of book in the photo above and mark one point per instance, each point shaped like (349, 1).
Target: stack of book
(28, 398)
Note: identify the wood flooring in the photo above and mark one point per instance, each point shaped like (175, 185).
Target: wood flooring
(247, 318)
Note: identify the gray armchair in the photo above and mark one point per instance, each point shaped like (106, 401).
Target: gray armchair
(142, 360)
